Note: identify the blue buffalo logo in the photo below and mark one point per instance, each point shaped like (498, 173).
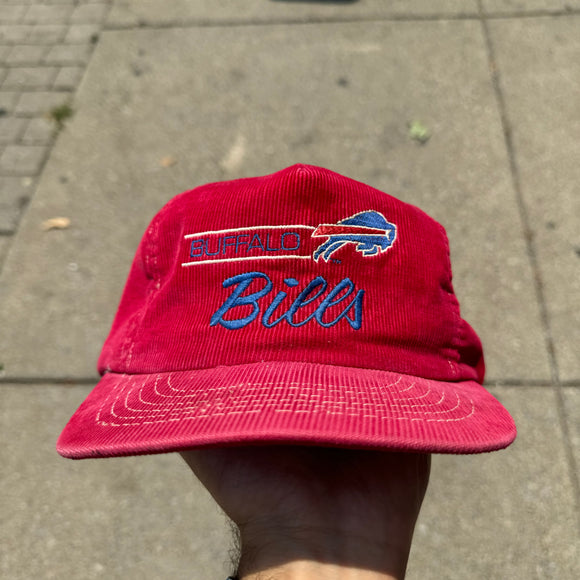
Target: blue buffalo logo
(369, 230)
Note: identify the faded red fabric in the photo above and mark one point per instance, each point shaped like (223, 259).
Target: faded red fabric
(301, 307)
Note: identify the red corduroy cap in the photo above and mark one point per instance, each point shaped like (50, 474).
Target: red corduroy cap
(299, 308)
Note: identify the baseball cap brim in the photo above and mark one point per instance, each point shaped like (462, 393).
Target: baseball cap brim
(284, 403)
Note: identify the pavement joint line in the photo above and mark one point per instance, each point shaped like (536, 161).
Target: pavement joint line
(29, 64)
(143, 24)
(33, 89)
(523, 383)
(531, 14)
(532, 255)
(283, 22)
(52, 380)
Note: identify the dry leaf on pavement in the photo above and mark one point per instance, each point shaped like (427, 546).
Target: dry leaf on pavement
(56, 223)
(168, 161)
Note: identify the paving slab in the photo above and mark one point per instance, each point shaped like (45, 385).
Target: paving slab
(10, 14)
(39, 103)
(30, 78)
(90, 13)
(46, 33)
(509, 514)
(141, 518)
(26, 55)
(68, 78)
(22, 160)
(11, 129)
(48, 14)
(15, 193)
(502, 515)
(150, 94)
(130, 13)
(527, 6)
(39, 131)
(536, 56)
(8, 101)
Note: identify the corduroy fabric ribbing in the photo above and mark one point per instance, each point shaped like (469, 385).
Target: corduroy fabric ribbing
(324, 286)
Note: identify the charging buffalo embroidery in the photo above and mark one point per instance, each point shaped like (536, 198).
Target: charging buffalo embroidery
(369, 230)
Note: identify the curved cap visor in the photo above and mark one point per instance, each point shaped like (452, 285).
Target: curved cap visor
(284, 403)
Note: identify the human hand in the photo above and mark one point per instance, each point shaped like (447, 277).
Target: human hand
(317, 513)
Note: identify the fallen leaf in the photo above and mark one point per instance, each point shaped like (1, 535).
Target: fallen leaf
(56, 223)
(418, 132)
(168, 161)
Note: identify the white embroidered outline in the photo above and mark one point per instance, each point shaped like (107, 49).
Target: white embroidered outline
(184, 264)
(148, 416)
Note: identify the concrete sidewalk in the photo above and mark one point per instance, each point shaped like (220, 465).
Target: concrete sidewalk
(182, 93)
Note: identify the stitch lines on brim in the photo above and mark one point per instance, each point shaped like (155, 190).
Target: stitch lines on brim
(284, 403)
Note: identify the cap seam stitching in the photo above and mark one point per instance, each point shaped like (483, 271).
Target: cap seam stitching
(291, 362)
